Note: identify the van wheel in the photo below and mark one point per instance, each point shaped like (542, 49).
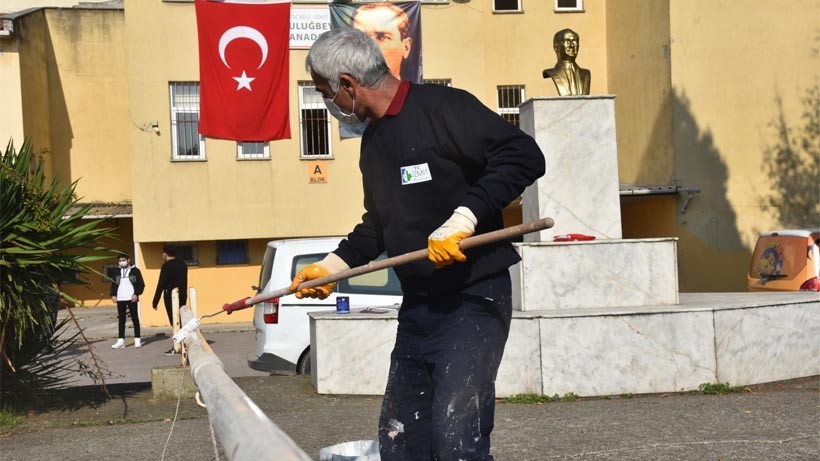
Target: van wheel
(303, 367)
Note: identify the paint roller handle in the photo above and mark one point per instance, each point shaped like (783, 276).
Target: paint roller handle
(236, 305)
(470, 242)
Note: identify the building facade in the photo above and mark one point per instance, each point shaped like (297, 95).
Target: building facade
(113, 95)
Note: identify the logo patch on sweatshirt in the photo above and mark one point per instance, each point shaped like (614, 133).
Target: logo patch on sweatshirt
(415, 173)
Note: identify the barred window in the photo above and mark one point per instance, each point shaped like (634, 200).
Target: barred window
(250, 150)
(509, 97)
(186, 142)
(314, 123)
(438, 81)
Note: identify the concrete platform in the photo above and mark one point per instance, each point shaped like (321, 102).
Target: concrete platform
(739, 338)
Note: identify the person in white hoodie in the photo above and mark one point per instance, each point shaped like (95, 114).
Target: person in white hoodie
(126, 289)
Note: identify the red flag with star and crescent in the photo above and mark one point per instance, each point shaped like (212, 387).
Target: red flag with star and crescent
(243, 70)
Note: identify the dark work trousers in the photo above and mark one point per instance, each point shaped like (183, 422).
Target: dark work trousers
(440, 398)
(166, 297)
(135, 317)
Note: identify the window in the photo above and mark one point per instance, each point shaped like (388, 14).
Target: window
(187, 252)
(249, 150)
(509, 97)
(110, 272)
(506, 6)
(381, 282)
(186, 142)
(314, 122)
(563, 6)
(438, 81)
(231, 252)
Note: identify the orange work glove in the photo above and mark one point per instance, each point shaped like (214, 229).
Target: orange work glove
(330, 265)
(442, 244)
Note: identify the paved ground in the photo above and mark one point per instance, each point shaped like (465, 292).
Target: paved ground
(779, 421)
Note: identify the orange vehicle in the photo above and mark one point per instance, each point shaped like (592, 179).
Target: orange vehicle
(786, 260)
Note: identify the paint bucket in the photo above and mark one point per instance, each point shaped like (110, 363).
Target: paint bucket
(358, 450)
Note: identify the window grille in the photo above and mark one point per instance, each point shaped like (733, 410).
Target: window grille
(250, 150)
(438, 81)
(314, 123)
(506, 6)
(509, 97)
(186, 142)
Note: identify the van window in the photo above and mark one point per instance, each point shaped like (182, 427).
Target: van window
(267, 268)
(778, 255)
(383, 282)
(302, 261)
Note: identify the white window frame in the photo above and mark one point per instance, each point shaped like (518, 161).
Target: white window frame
(579, 7)
(174, 138)
(240, 155)
(510, 110)
(438, 81)
(318, 105)
(520, 8)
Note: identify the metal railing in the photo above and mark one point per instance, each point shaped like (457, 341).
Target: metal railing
(243, 430)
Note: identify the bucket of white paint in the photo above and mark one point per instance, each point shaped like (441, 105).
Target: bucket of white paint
(358, 450)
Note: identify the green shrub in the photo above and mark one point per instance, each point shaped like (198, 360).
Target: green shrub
(42, 245)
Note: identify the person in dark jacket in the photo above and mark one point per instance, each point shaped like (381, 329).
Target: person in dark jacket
(172, 274)
(126, 289)
(437, 166)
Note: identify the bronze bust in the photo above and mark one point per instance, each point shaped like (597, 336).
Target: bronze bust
(569, 78)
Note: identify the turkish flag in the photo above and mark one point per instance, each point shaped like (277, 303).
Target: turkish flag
(243, 70)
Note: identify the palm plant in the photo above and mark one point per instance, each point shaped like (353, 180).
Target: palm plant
(42, 246)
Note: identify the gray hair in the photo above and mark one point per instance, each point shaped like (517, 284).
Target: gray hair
(347, 51)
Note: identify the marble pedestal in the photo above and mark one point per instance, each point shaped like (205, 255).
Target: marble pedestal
(739, 338)
(580, 189)
(595, 274)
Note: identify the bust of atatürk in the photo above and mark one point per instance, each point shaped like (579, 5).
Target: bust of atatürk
(569, 78)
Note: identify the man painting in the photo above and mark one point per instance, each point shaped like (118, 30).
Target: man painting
(437, 166)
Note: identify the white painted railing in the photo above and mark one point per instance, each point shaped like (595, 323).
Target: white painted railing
(243, 430)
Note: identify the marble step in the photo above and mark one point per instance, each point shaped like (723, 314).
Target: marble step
(595, 274)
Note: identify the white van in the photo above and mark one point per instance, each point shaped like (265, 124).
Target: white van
(283, 335)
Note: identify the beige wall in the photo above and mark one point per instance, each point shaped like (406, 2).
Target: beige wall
(730, 60)
(72, 97)
(638, 67)
(11, 114)
(87, 69)
(32, 35)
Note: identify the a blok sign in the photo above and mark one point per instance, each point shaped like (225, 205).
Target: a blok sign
(243, 70)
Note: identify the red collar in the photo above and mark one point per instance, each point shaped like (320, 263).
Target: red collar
(398, 100)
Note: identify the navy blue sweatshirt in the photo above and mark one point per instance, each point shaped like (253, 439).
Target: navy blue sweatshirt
(463, 154)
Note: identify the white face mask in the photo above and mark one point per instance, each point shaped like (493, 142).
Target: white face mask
(123, 264)
(347, 119)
